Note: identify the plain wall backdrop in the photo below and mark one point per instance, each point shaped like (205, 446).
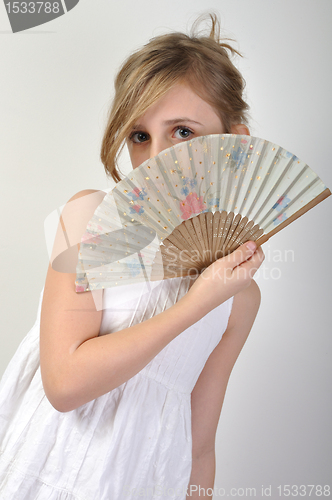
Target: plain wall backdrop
(56, 85)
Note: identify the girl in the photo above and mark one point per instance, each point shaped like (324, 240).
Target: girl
(127, 396)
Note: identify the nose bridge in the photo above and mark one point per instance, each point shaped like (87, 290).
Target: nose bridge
(159, 143)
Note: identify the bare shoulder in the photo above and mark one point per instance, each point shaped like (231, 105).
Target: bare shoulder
(75, 216)
(79, 209)
(73, 222)
(90, 195)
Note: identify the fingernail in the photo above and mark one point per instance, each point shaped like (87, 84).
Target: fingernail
(251, 245)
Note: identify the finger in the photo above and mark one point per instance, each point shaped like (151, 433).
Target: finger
(257, 255)
(248, 268)
(241, 254)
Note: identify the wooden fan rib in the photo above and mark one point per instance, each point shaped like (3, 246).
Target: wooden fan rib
(209, 228)
(251, 233)
(207, 253)
(179, 272)
(218, 218)
(189, 243)
(233, 227)
(169, 244)
(182, 243)
(196, 222)
(256, 234)
(240, 238)
(226, 228)
(220, 234)
(243, 222)
(175, 240)
(170, 251)
(173, 256)
(196, 242)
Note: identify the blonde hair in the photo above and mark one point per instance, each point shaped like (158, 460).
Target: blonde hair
(201, 61)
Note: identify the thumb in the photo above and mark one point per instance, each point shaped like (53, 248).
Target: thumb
(241, 254)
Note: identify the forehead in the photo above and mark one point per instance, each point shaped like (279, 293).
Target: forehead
(181, 101)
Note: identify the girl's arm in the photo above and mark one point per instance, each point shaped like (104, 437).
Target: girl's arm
(208, 394)
(77, 365)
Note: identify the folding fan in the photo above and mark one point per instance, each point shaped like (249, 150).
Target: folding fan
(191, 204)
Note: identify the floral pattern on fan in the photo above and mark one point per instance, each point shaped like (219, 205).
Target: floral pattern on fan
(239, 157)
(138, 209)
(281, 203)
(138, 193)
(280, 218)
(192, 205)
(188, 184)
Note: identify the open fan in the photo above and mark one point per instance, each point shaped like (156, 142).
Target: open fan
(193, 203)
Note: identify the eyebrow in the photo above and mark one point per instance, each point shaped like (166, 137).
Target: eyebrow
(174, 121)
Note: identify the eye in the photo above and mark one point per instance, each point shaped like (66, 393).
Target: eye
(139, 137)
(183, 133)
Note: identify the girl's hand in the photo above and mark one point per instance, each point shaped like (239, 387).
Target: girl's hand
(227, 276)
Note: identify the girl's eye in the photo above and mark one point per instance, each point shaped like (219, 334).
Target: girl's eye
(183, 133)
(139, 137)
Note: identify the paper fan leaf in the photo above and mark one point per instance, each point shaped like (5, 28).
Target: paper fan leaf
(249, 186)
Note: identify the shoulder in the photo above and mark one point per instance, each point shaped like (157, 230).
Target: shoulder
(61, 304)
(91, 193)
(80, 207)
(74, 218)
(83, 203)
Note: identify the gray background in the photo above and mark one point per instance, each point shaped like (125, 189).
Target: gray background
(56, 84)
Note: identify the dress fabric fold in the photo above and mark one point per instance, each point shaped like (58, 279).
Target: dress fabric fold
(134, 440)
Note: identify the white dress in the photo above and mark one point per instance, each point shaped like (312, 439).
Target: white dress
(134, 441)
